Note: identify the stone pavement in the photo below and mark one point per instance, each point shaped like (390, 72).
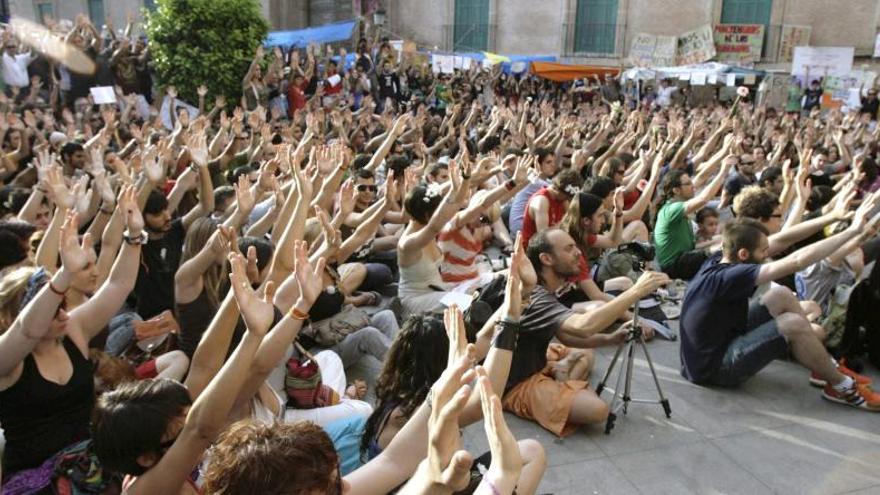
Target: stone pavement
(773, 435)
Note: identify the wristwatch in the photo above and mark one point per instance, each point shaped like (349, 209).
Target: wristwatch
(138, 240)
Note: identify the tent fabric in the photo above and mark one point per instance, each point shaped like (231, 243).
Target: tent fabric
(569, 72)
(708, 68)
(302, 37)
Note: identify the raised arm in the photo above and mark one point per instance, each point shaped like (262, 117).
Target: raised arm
(710, 191)
(92, 316)
(448, 207)
(198, 150)
(210, 412)
(34, 321)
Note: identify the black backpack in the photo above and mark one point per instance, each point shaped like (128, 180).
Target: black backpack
(861, 334)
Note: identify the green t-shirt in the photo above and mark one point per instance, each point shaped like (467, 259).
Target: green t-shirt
(673, 234)
(794, 99)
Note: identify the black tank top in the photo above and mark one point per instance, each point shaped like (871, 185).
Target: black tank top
(41, 417)
(194, 318)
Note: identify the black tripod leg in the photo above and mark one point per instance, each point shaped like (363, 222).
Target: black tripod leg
(609, 423)
(663, 400)
(601, 386)
(627, 388)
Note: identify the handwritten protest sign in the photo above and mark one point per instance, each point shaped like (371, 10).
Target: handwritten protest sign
(793, 36)
(664, 52)
(739, 42)
(822, 60)
(641, 52)
(696, 46)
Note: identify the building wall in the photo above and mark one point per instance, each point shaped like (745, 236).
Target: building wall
(855, 25)
(529, 27)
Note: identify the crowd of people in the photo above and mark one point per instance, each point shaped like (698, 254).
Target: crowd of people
(183, 292)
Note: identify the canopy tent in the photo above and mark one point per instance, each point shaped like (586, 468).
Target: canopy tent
(708, 68)
(301, 38)
(568, 72)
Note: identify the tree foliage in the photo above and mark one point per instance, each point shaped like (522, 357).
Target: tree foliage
(210, 42)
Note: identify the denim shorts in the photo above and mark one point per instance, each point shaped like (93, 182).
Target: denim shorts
(752, 351)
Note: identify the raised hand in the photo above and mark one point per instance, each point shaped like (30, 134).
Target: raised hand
(134, 220)
(448, 466)
(453, 319)
(82, 195)
(332, 236)
(202, 91)
(347, 197)
(197, 144)
(74, 256)
(506, 461)
(244, 196)
(257, 313)
(153, 167)
(58, 189)
(308, 278)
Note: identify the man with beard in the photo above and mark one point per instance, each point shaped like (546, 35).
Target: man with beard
(725, 339)
(160, 256)
(533, 390)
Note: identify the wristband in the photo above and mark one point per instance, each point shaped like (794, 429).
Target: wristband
(192, 166)
(296, 314)
(140, 240)
(56, 291)
(506, 335)
(510, 185)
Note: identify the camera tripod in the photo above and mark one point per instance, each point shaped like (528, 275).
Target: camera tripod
(627, 347)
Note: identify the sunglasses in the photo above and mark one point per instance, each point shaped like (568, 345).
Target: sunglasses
(367, 187)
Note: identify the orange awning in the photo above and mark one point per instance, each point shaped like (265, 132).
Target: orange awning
(569, 72)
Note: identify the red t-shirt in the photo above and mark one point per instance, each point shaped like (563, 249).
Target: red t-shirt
(583, 263)
(555, 213)
(296, 98)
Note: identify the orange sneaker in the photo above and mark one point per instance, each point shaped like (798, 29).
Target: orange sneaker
(860, 396)
(816, 381)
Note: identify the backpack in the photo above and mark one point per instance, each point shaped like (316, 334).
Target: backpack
(861, 332)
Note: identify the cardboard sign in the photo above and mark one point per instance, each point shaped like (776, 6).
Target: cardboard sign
(641, 51)
(698, 79)
(822, 61)
(793, 36)
(103, 95)
(696, 46)
(731, 80)
(739, 42)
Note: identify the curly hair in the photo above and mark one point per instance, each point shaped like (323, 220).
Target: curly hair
(755, 202)
(276, 459)
(415, 360)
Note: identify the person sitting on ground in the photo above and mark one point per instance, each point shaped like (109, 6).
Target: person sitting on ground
(725, 340)
(547, 206)
(532, 391)
(673, 234)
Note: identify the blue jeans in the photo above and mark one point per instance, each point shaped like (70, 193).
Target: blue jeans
(751, 352)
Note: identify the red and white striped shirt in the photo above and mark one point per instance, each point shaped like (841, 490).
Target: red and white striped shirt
(460, 249)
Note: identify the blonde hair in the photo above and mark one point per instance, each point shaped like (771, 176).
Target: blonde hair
(198, 234)
(13, 286)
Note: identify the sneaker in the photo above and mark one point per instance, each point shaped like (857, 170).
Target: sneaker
(816, 381)
(860, 396)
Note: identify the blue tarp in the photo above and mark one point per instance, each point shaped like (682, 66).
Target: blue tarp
(301, 38)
